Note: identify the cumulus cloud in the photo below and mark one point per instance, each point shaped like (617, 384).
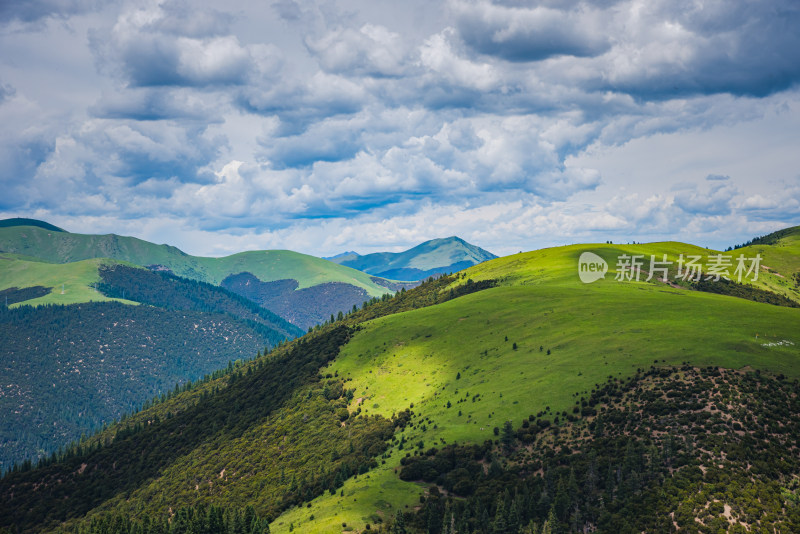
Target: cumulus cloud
(668, 48)
(33, 11)
(317, 123)
(171, 45)
(98, 167)
(771, 206)
(156, 103)
(655, 49)
(371, 50)
(713, 200)
(531, 33)
(439, 56)
(301, 103)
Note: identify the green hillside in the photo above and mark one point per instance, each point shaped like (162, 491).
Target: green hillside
(779, 266)
(430, 258)
(21, 221)
(165, 290)
(302, 289)
(107, 359)
(71, 283)
(67, 370)
(475, 358)
(591, 331)
(63, 247)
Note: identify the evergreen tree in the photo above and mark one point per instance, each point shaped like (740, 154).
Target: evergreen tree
(399, 526)
(500, 523)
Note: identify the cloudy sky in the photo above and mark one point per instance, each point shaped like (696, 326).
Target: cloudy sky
(374, 125)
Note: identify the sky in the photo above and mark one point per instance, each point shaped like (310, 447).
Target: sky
(375, 125)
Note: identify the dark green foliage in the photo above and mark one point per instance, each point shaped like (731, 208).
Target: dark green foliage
(728, 287)
(278, 408)
(304, 307)
(12, 295)
(769, 239)
(396, 286)
(165, 290)
(189, 520)
(430, 292)
(20, 221)
(77, 367)
(668, 447)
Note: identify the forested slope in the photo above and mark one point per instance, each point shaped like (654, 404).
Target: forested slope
(165, 290)
(474, 403)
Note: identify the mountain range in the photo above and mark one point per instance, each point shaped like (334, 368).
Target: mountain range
(431, 258)
(223, 309)
(508, 397)
(303, 289)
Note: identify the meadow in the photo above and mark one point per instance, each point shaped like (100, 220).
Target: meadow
(468, 365)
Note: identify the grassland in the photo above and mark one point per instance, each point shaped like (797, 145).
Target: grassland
(464, 349)
(64, 247)
(535, 340)
(71, 282)
(780, 264)
(268, 265)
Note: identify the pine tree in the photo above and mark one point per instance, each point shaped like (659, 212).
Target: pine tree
(500, 524)
(551, 525)
(399, 526)
(508, 435)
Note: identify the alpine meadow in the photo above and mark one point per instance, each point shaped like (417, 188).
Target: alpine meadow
(374, 267)
(508, 397)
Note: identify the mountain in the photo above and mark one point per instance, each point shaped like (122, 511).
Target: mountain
(306, 290)
(430, 258)
(343, 256)
(510, 397)
(19, 221)
(70, 369)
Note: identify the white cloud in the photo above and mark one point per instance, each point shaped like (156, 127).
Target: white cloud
(324, 126)
(371, 50)
(531, 33)
(713, 200)
(438, 56)
(159, 45)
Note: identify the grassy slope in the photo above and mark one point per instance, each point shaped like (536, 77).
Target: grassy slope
(21, 221)
(76, 277)
(593, 331)
(62, 247)
(268, 265)
(779, 263)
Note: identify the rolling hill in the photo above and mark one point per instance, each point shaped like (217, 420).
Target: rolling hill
(431, 258)
(304, 289)
(67, 283)
(511, 396)
(21, 221)
(68, 369)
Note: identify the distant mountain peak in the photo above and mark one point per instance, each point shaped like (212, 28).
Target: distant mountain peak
(343, 255)
(21, 221)
(435, 256)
